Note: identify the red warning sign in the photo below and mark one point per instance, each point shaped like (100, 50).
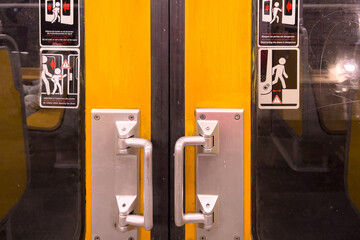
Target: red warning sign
(276, 100)
(65, 65)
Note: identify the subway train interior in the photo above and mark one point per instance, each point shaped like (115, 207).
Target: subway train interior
(174, 119)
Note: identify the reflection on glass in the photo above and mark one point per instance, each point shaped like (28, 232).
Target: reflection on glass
(40, 149)
(307, 167)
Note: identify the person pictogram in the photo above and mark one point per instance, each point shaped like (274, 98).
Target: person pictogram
(45, 74)
(56, 12)
(275, 12)
(280, 73)
(56, 80)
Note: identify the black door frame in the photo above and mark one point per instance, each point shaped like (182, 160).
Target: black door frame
(167, 108)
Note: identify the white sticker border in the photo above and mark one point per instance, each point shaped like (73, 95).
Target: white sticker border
(259, 79)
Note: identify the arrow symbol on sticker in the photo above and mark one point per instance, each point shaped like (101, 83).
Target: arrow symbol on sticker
(66, 6)
(289, 6)
(53, 64)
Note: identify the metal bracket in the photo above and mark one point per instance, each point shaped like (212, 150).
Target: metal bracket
(210, 131)
(208, 206)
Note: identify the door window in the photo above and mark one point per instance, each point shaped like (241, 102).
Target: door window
(307, 160)
(41, 149)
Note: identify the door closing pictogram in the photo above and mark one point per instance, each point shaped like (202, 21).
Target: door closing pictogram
(60, 78)
(279, 78)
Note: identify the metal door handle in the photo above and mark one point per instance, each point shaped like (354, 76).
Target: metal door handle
(126, 202)
(115, 175)
(208, 131)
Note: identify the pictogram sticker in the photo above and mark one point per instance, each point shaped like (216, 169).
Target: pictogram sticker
(59, 23)
(279, 78)
(278, 22)
(60, 78)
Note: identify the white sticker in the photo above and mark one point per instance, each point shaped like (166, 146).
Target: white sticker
(278, 23)
(59, 22)
(60, 78)
(279, 85)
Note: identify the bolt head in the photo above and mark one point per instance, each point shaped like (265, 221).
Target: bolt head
(131, 117)
(236, 238)
(202, 117)
(96, 238)
(97, 117)
(237, 117)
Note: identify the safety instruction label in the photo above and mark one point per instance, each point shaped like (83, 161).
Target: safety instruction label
(59, 23)
(279, 71)
(60, 78)
(278, 22)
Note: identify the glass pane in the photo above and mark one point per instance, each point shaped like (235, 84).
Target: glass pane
(41, 149)
(307, 161)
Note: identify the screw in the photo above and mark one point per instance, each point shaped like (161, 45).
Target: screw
(123, 129)
(97, 238)
(202, 117)
(207, 128)
(208, 205)
(131, 117)
(131, 238)
(236, 238)
(124, 205)
(97, 117)
(203, 238)
(237, 117)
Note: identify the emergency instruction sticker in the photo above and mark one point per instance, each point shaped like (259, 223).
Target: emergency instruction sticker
(59, 23)
(60, 78)
(278, 22)
(279, 78)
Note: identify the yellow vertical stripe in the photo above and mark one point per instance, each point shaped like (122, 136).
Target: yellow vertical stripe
(217, 75)
(118, 68)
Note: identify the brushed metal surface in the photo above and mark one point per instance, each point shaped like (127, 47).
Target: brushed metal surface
(222, 174)
(111, 176)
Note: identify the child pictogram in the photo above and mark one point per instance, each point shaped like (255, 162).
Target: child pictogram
(56, 78)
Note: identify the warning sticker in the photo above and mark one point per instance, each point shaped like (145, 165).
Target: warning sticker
(278, 22)
(279, 78)
(59, 23)
(60, 79)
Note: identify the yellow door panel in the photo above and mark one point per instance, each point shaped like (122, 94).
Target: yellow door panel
(118, 68)
(217, 75)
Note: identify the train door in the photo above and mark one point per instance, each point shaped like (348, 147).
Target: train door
(168, 75)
